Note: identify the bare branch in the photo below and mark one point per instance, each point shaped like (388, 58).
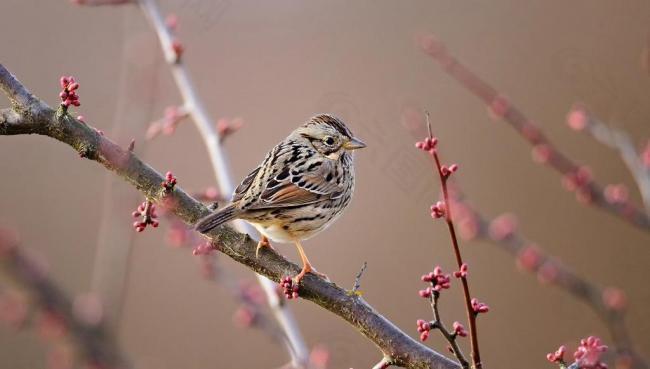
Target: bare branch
(357, 279)
(41, 119)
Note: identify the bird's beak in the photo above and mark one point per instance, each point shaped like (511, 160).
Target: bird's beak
(353, 144)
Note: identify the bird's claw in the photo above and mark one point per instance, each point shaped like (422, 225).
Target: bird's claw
(264, 242)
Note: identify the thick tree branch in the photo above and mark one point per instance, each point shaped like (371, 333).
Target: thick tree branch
(35, 117)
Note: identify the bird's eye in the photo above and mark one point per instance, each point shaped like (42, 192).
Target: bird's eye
(329, 140)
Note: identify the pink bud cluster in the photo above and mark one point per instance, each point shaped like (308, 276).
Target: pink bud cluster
(209, 194)
(557, 356)
(428, 144)
(289, 289)
(529, 258)
(462, 272)
(503, 227)
(245, 316)
(172, 22)
(616, 193)
(169, 182)
(447, 171)
(645, 156)
(68, 93)
(479, 307)
(459, 329)
(172, 25)
(178, 234)
(423, 328)
(578, 181)
(226, 126)
(499, 107)
(251, 297)
(587, 355)
(203, 248)
(614, 298)
(577, 118)
(438, 210)
(146, 210)
(542, 153)
(589, 352)
(178, 48)
(319, 358)
(167, 125)
(438, 280)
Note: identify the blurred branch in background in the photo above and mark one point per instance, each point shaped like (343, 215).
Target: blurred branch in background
(576, 178)
(193, 108)
(609, 303)
(73, 329)
(638, 163)
(30, 115)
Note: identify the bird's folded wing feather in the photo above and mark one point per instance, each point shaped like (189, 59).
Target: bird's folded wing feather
(245, 185)
(294, 188)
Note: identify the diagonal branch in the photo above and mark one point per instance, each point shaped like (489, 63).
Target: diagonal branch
(38, 118)
(587, 190)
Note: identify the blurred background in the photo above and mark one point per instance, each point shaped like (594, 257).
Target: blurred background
(275, 64)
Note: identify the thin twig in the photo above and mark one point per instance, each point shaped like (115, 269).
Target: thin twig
(357, 279)
(471, 315)
(450, 337)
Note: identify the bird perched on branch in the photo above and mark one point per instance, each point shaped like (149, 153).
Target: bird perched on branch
(300, 188)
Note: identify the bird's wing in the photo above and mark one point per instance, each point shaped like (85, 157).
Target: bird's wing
(294, 186)
(244, 185)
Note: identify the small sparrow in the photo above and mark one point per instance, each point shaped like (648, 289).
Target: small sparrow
(300, 188)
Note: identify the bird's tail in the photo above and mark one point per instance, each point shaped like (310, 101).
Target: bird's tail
(216, 219)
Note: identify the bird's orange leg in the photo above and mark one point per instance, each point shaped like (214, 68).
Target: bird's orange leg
(306, 265)
(264, 242)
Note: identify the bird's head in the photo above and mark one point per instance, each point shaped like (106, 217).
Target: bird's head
(329, 136)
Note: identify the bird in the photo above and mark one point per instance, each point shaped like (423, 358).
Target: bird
(301, 187)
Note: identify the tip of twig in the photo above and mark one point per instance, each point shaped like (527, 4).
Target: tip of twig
(426, 115)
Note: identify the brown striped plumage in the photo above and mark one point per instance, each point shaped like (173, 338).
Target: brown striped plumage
(302, 185)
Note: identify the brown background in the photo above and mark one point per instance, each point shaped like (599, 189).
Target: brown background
(275, 63)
